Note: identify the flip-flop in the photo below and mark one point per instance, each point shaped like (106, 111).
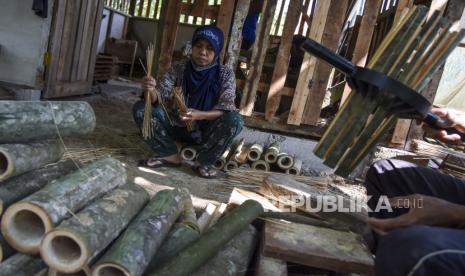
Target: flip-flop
(163, 163)
(208, 169)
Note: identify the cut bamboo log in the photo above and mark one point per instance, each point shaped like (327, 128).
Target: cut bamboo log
(255, 152)
(5, 249)
(188, 153)
(25, 223)
(244, 166)
(209, 244)
(132, 252)
(234, 258)
(261, 165)
(219, 164)
(70, 246)
(271, 154)
(296, 168)
(22, 265)
(16, 159)
(317, 247)
(183, 233)
(241, 155)
(230, 165)
(188, 215)
(83, 272)
(17, 188)
(285, 161)
(24, 121)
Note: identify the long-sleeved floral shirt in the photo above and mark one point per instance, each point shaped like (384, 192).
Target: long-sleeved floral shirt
(174, 76)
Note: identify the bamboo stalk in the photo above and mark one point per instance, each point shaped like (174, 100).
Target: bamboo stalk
(181, 104)
(188, 153)
(260, 165)
(255, 152)
(271, 154)
(285, 161)
(296, 167)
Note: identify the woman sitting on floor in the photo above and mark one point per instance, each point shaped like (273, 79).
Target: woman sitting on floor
(209, 91)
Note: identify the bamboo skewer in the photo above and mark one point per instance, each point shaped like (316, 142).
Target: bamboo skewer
(181, 104)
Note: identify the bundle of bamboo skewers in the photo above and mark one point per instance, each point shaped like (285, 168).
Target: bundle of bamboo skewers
(147, 129)
(412, 51)
(426, 149)
(180, 102)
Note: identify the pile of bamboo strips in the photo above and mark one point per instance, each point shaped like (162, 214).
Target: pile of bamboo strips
(412, 51)
(434, 151)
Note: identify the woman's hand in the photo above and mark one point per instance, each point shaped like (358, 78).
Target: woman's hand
(455, 119)
(148, 85)
(192, 115)
(423, 210)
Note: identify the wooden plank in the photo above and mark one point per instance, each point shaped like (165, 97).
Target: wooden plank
(308, 64)
(54, 48)
(258, 57)
(94, 49)
(223, 22)
(304, 13)
(81, 64)
(317, 247)
(282, 61)
(235, 40)
(167, 31)
(149, 7)
(132, 7)
(263, 87)
(268, 266)
(258, 121)
(280, 16)
(365, 34)
(198, 8)
(67, 40)
(319, 83)
(401, 6)
(74, 52)
(209, 11)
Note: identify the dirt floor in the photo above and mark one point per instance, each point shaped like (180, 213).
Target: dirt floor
(117, 136)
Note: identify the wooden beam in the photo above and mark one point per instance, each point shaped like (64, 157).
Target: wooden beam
(267, 266)
(192, 10)
(263, 87)
(308, 64)
(223, 22)
(365, 35)
(317, 247)
(401, 6)
(258, 57)
(166, 36)
(280, 16)
(234, 46)
(319, 83)
(132, 7)
(281, 65)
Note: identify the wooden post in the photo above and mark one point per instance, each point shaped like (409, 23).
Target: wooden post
(331, 35)
(258, 57)
(308, 65)
(235, 41)
(282, 61)
(166, 35)
(365, 34)
(225, 15)
(132, 7)
(453, 13)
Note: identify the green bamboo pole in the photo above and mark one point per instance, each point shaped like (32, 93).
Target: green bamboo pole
(198, 253)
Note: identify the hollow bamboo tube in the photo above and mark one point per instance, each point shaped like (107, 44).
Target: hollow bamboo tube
(296, 168)
(255, 152)
(285, 161)
(271, 154)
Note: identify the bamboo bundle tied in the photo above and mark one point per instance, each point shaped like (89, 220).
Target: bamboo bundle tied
(147, 129)
(411, 52)
(180, 102)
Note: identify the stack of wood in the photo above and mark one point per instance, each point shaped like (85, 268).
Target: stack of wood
(104, 67)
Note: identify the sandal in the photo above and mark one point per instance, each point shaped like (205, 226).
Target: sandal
(206, 171)
(162, 163)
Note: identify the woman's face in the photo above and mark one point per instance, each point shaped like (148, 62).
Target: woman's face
(202, 52)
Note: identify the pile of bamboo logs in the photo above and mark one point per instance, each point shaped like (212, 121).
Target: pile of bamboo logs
(412, 51)
(70, 219)
(251, 156)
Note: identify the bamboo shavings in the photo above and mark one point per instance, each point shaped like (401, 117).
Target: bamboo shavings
(88, 155)
(181, 104)
(147, 129)
(426, 149)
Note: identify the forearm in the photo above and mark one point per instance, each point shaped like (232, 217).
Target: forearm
(212, 115)
(457, 215)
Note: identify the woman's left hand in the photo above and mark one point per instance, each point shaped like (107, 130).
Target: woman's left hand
(192, 115)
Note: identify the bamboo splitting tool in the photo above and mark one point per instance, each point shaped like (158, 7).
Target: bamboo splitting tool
(388, 88)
